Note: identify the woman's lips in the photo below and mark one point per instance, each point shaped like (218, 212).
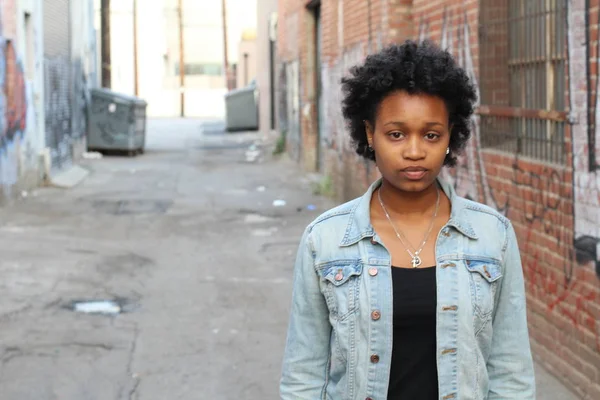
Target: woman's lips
(414, 174)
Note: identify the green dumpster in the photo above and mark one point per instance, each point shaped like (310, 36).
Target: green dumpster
(241, 108)
(116, 122)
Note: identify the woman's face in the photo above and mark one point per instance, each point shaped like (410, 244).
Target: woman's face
(410, 138)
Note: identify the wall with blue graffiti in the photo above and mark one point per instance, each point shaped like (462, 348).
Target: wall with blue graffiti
(47, 65)
(20, 87)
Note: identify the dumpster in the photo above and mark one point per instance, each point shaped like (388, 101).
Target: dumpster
(241, 108)
(117, 122)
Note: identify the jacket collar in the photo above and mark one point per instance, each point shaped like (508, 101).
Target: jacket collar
(359, 221)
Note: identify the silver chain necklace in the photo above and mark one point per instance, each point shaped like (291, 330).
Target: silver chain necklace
(416, 260)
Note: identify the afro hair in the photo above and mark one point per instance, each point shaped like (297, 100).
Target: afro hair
(418, 69)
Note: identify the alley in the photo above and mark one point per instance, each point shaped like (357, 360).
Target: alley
(187, 241)
(186, 237)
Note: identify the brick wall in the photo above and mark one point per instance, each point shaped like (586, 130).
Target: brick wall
(580, 311)
(555, 208)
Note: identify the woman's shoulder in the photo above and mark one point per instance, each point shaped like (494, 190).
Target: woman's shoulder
(336, 216)
(479, 213)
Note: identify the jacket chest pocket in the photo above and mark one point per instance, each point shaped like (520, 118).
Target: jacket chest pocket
(483, 280)
(340, 286)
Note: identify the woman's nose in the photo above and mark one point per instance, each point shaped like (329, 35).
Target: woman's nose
(414, 149)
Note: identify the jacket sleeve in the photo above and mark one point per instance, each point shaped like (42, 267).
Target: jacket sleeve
(510, 365)
(306, 357)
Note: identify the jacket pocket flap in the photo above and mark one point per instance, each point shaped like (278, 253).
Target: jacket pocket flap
(340, 273)
(489, 270)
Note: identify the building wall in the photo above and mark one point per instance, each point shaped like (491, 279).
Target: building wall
(30, 39)
(21, 94)
(555, 207)
(69, 71)
(57, 81)
(266, 18)
(246, 68)
(158, 55)
(84, 72)
(158, 43)
(579, 301)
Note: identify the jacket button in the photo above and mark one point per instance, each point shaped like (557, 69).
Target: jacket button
(446, 233)
(373, 271)
(368, 398)
(375, 315)
(373, 241)
(374, 358)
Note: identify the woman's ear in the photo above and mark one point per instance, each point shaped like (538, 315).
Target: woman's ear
(369, 132)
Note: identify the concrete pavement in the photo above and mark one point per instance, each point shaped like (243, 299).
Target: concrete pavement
(187, 241)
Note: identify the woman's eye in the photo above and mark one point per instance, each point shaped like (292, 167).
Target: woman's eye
(432, 136)
(396, 135)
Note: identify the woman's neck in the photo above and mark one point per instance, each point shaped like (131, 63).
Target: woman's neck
(408, 203)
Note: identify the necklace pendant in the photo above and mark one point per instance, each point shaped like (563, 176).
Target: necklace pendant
(416, 261)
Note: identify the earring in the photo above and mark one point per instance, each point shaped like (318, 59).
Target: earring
(448, 150)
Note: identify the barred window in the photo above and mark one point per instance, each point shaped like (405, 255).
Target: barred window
(523, 54)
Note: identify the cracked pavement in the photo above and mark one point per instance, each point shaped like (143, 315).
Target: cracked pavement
(199, 257)
(187, 240)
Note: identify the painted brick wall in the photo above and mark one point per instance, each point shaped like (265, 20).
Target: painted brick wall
(581, 308)
(555, 208)
(19, 146)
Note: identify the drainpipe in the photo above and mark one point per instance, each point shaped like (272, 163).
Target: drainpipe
(588, 73)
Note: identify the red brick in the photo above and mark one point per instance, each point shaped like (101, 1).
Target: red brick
(540, 196)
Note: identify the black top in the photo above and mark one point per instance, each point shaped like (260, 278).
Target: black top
(414, 370)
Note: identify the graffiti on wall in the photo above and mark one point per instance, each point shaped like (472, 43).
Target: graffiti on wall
(57, 109)
(289, 107)
(13, 85)
(65, 104)
(335, 136)
(13, 110)
(80, 100)
(542, 204)
(586, 176)
(586, 179)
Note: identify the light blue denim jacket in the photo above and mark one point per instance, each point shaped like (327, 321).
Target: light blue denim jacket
(336, 351)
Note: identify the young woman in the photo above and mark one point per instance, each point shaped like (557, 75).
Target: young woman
(410, 291)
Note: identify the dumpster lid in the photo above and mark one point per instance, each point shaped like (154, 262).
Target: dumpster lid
(248, 88)
(116, 96)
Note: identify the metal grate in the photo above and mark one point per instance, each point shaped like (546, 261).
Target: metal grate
(523, 52)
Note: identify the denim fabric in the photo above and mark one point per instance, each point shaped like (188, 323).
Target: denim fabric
(335, 350)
